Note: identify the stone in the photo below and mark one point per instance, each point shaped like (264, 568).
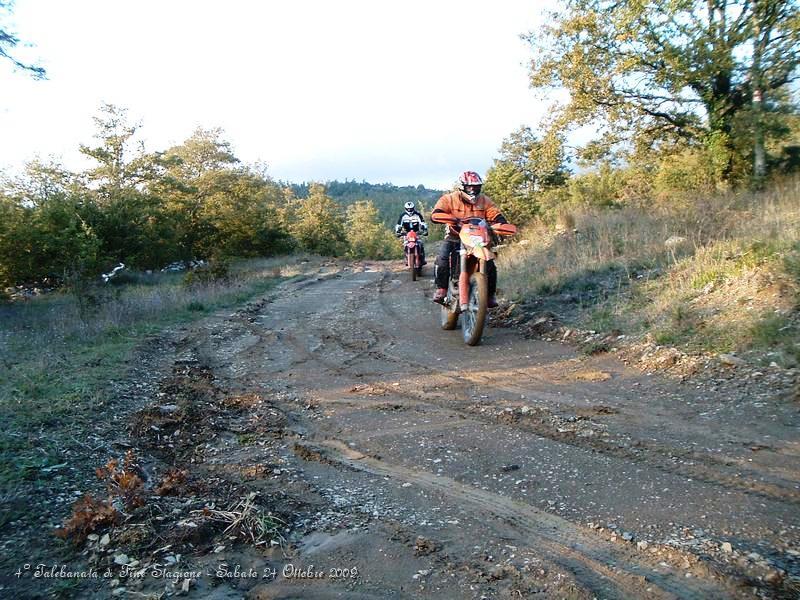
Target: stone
(731, 360)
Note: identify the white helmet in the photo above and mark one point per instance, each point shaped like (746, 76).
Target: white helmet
(409, 206)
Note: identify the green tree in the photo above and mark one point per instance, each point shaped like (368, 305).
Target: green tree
(194, 173)
(216, 205)
(368, 236)
(122, 164)
(245, 215)
(131, 221)
(527, 168)
(45, 227)
(318, 225)
(660, 71)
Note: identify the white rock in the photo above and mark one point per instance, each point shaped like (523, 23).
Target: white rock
(730, 359)
(726, 547)
(121, 559)
(673, 241)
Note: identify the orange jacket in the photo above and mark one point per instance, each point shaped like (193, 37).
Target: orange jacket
(452, 207)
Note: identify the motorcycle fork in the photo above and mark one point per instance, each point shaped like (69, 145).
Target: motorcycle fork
(468, 265)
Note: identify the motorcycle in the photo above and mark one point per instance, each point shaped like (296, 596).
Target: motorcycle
(468, 290)
(411, 249)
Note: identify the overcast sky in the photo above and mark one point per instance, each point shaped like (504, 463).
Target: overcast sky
(404, 92)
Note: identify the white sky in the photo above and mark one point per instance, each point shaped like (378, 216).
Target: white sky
(404, 92)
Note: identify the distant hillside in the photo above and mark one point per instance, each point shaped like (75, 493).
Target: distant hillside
(389, 199)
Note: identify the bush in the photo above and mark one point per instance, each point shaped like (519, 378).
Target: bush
(218, 270)
(367, 236)
(317, 224)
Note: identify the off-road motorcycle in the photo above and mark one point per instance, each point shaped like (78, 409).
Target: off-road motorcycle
(411, 248)
(468, 292)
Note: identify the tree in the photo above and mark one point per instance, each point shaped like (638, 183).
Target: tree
(45, 227)
(9, 41)
(194, 173)
(527, 167)
(131, 221)
(317, 224)
(666, 71)
(244, 214)
(368, 236)
(122, 166)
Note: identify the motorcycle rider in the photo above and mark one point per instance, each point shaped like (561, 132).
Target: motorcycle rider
(412, 219)
(465, 202)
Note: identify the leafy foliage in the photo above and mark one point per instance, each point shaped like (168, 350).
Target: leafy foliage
(193, 201)
(526, 170)
(664, 75)
(318, 224)
(368, 237)
(122, 480)
(88, 515)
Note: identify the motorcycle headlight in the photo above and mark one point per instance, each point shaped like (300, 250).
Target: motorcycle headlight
(476, 240)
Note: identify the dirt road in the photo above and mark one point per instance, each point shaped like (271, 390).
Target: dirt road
(406, 464)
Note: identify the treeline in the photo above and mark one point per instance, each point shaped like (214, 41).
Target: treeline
(670, 101)
(387, 198)
(195, 200)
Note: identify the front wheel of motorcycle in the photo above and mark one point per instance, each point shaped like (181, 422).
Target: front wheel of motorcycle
(475, 315)
(412, 262)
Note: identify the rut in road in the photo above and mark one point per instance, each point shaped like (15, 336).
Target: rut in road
(603, 567)
(375, 341)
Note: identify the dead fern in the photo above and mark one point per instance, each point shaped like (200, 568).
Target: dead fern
(88, 515)
(172, 484)
(123, 483)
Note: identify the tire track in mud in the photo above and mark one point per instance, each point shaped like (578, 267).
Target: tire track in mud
(607, 569)
(658, 456)
(373, 339)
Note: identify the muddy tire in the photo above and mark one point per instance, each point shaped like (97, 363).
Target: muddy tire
(475, 315)
(449, 318)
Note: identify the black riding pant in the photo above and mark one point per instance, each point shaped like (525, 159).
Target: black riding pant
(450, 249)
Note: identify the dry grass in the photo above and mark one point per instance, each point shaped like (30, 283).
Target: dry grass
(59, 352)
(718, 274)
(248, 521)
(103, 309)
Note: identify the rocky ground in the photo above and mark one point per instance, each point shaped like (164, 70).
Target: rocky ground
(331, 441)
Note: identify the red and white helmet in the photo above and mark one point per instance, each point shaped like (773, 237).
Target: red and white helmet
(470, 183)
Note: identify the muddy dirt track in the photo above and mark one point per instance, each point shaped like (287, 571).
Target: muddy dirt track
(409, 465)
(514, 469)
